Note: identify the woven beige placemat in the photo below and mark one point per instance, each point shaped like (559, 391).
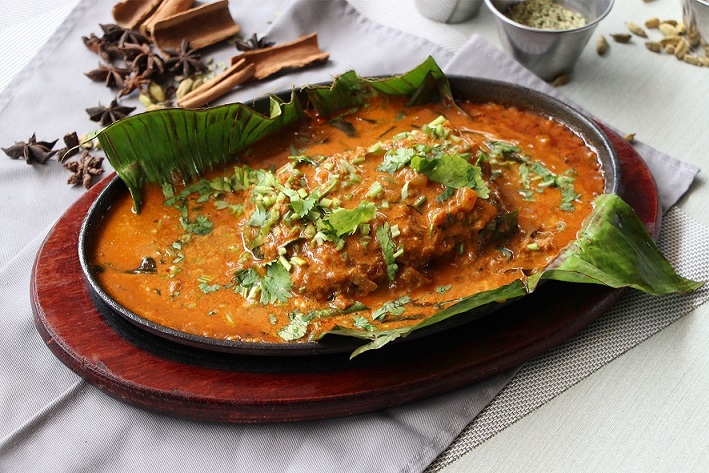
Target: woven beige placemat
(635, 318)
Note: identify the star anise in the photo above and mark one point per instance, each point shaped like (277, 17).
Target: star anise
(122, 37)
(185, 61)
(107, 115)
(144, 61)
(113, 76)
(71, 146)
(133, 82)
(84, 169)
(254, 43)
(32, 151)
(108, 52)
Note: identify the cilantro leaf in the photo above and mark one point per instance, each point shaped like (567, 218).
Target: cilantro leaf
(568, 193)
(276, 284)
(362, 322)
(452, 170)
(388, 246)
(206, 288)
(346, 221)
(395, 307)
(503, 149)
(296, 328)
(395, 159)
(259, 216)
(199, 226)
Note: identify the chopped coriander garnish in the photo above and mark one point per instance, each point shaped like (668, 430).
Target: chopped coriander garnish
(362, 322)
(389, 249)
(395, 307)
(273, 287)
(443, 289)
(396, 159)
(296, 328)
(452, 170)
(206, 288)
(346, 221)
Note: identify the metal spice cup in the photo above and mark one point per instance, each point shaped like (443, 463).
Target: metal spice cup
(695, 15)
(548, 53)
(448, 11)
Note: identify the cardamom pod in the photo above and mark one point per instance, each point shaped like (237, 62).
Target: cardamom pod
(145, 100)
(652, 23)
(693, 60)
(601, 45)
(621, 37)
(184, 87)
(199, 80)
(563, 79)
(635, 29)
(673, 40)
(630, 137)
(681, 49)
(156, 92)
(668, 30)
(653, 46)
(155, 106)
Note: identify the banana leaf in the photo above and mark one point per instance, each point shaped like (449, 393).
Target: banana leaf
(614, 249)
(162, 146)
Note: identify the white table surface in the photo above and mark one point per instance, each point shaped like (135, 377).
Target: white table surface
(647, 410)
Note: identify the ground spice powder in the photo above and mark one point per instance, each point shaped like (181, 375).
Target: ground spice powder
(546, 15)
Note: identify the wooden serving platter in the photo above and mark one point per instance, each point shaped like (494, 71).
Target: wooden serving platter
(162, 376)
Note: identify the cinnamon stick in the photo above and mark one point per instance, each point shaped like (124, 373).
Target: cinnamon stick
(202, 26)
(296, 54)
(131, 14)
(255, 65)
(166, 9)
(236, 74)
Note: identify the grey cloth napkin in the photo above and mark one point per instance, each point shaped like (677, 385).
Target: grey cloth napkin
(52, 420)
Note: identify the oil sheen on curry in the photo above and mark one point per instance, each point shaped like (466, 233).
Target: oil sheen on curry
(372, 221)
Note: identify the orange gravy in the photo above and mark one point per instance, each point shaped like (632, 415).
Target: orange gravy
(209, 248)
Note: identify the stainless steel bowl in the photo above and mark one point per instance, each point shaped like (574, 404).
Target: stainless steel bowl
(548, 53)
(695, 14)
(448, 11)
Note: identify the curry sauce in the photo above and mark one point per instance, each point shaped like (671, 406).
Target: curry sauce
(373, 220)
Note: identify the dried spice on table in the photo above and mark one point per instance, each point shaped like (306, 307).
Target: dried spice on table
(203, 26)
(32, 151)
(122, 37)
(675, 40)
(84, 169)
(107, 115)
(72, 146)
(184, 61)
(111, 75)
(257, 64)
(132, 13)
(254, 43)
(143, 60)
